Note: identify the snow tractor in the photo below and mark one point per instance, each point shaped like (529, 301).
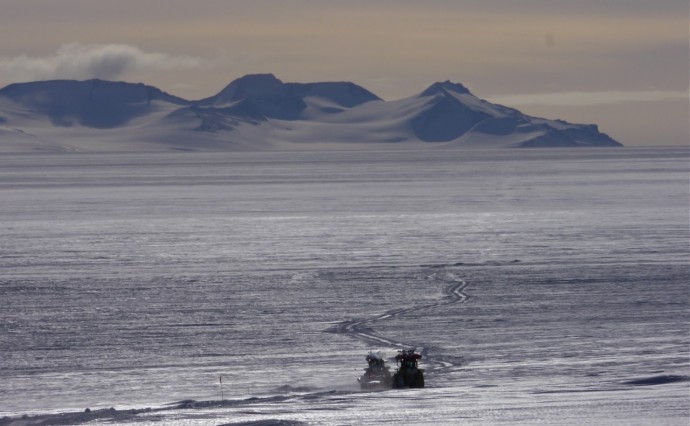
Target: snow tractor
(376, 376)
(409, 375)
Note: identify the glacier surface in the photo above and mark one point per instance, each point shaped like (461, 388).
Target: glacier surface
(542, 287)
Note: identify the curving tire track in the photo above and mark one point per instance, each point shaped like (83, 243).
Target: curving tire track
(362, 328)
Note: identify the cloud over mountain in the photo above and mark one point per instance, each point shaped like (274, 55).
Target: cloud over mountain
(86, 61)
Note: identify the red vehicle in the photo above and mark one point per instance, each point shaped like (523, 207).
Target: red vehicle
(409, 375)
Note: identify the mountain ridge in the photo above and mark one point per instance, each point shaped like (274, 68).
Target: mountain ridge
(259, 111)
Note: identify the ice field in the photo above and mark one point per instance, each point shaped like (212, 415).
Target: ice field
(542, 286)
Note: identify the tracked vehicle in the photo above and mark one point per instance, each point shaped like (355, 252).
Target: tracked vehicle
(376, 376)
(409, 375)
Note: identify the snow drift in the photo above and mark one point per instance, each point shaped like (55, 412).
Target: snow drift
(260, 111)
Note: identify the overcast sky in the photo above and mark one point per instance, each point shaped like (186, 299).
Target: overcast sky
(622, 64)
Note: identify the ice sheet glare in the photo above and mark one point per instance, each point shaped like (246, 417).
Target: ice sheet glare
(542, 286)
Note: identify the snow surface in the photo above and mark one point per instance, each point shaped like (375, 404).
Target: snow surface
(260, 112)
(543, 287)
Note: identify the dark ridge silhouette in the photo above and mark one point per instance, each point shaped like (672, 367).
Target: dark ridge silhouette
(266, 94)
(344, 112)
(445, 118)
(445, 87)
(92, 103)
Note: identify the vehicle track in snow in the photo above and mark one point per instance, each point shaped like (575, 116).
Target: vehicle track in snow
(362, 329)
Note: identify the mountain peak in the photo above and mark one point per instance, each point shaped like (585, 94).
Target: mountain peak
(257, 80)
(251, 85)
(442, 87)
(326, 111)
(49, 91)
(286, 101)
(92, 103)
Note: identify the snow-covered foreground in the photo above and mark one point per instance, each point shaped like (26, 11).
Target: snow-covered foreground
(543, 287)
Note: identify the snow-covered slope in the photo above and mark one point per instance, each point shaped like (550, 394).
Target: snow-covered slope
(262, 112)
(264, 95)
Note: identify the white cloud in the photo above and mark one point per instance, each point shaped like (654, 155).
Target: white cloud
(590, 98)
(84, 61)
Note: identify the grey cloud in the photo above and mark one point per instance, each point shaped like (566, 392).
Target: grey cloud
(84, 61)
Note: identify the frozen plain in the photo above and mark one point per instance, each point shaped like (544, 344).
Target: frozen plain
(544, 286)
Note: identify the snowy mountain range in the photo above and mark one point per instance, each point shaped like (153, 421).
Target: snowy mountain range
(259, 112)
